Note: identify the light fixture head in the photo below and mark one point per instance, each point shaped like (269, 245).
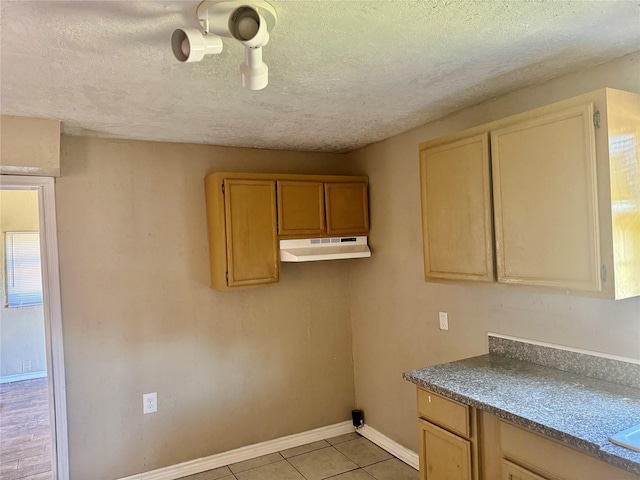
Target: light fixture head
(247, 21)
(249, 27)
(189, 45)
(225, 17)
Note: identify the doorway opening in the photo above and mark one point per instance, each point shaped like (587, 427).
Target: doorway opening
(33, 421)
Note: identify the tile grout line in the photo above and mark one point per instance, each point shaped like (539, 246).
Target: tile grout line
(259, 466)
(294, 467)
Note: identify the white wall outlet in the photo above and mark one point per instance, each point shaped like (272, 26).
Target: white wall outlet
(150, 402)
(444, 320)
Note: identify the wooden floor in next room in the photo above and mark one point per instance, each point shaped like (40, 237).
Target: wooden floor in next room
(25, 433)
(346, 457)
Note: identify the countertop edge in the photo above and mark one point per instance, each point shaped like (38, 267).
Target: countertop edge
(591, 448)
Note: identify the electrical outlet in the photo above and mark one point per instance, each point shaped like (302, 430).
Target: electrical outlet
(444, 320)
(150, 402)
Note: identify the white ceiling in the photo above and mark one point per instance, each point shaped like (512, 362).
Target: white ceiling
(343, 74)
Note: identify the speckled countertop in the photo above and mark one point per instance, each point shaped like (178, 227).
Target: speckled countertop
(577, 410)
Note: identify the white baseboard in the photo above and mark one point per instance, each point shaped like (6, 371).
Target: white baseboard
(199, 465)
(23, 376)
(394, 448)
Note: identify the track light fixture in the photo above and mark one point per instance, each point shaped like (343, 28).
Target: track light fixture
(249, 22)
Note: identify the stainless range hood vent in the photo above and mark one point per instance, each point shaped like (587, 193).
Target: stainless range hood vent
(314, 249)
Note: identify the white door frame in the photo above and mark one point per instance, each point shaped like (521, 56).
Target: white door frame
(52, 314)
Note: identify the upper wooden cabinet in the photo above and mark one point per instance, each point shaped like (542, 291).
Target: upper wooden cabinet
(566, 194)
(347, 207)
(301, 208)
(247, 213)
(545, 194)
(243, 241)
(321, 209)
(250, 207)
(456, 210)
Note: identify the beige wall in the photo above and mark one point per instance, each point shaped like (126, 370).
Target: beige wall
(231, 369)
(29, 146)
(395, 313)
(21, 329)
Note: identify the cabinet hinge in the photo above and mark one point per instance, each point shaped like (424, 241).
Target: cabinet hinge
(226, 276)
(596, 118)
(223, 188)
(603, 273)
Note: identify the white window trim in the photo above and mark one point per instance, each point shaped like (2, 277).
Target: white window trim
(52, 313)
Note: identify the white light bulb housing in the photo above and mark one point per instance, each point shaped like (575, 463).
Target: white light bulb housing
(249, 27)
(189, 45)
(227, 17)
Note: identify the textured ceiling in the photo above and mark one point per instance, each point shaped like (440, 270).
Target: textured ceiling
(342, 73)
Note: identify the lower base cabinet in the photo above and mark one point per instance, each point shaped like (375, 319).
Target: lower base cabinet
(511, 471)
(448, 438)
(443, 455)
(551, 459)
(458, 442)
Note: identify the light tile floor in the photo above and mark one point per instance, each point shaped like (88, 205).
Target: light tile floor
(347, 457)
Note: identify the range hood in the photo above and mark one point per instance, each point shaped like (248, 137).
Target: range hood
(314, 249)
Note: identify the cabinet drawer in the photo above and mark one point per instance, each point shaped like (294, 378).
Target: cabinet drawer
(511, 471)
(447, 413)
(553, 459)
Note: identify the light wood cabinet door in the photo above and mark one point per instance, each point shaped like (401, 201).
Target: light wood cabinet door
(347, 207)
(545, 201)
(456, 210)
(301, 208)
(511, 471)
(252, 241)
(443, 455)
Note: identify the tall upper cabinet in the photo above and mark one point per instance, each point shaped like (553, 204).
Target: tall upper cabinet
(456, 210)
(242, 230)
(546, 201)
(565, 215)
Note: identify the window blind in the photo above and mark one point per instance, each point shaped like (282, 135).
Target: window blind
(24, 273)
